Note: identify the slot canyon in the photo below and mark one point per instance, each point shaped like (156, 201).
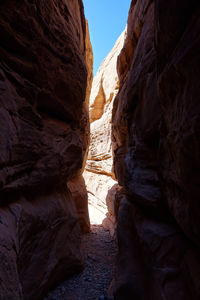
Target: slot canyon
(99, 174)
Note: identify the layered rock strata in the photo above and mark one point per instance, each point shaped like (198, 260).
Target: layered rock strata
(43, 140)
(98, 174)
(157, 153)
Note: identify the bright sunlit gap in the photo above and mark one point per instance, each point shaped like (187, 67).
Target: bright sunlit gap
(107, 19)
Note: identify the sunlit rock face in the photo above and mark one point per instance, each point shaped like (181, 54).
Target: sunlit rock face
(43, 139)
(99, 176)
(157, 153)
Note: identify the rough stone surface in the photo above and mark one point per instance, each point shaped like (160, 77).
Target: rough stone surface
(92, 284)
(43, 140)
(77, 184)
(156, 153)
(89, 63)
(178, 82)
(99, 176)
(39, 244)
(80, 196)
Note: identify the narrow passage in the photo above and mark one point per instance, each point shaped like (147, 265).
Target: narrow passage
(100, 253)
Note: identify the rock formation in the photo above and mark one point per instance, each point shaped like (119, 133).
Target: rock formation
(157, 153)
(98, 174)
(149, 106)
(43, 140)
(77, 184)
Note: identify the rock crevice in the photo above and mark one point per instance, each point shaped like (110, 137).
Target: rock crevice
(141, 169)
(98, 174)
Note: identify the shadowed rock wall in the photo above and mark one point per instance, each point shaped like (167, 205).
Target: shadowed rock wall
(77, 184)
(157, 153)
(43, 139)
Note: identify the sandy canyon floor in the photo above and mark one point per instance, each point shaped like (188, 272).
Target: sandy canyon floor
(99, 249)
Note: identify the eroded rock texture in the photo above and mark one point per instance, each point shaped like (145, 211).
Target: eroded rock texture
(43, 138)
(157, 153)
(98, 174)
(77, 184)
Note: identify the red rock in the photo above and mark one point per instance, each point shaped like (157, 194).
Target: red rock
(80, 196)
(40, 244)
(43, 140)
(156, 145)
(77, 184)
(178, 81)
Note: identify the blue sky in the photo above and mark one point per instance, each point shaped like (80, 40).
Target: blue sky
(107, 19)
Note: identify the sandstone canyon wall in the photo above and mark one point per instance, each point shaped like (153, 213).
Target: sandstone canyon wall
(155, 133)
(77, 184)
(43, 140)
(98, 174)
